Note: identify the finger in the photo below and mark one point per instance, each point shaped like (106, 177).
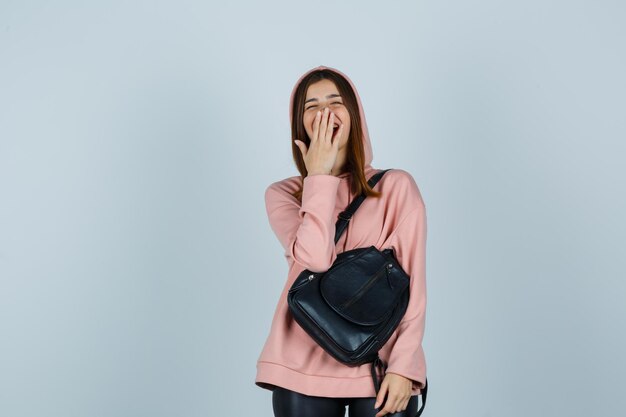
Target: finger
(399, 406)
(329, 128)
(397, 402)
(323, 123)
(316, 124)
(381, 395)
(392, 404)
(386, 410)
(404, 405)
(302, 147)
(339, 132)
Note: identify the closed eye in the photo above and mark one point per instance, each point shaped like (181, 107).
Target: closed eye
(311, 107)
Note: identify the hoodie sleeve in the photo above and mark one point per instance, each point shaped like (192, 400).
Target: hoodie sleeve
(409, 241)
(307, 231)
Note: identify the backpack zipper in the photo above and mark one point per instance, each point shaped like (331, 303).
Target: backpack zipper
(367, 285)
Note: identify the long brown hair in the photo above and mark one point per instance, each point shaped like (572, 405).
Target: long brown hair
(355, 156)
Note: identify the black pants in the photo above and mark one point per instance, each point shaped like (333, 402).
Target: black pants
(289, 403)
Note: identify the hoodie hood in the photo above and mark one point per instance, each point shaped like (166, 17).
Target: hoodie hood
(367, 147)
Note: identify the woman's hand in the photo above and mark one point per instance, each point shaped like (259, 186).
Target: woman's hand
(399, 395)
(321, 155)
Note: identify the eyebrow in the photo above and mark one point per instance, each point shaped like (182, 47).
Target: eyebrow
(328, 96)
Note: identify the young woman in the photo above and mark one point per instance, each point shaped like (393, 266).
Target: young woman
(332, 152)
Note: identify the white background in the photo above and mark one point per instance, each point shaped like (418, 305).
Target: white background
(138, 272)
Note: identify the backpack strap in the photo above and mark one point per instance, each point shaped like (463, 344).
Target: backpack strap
(346, 215)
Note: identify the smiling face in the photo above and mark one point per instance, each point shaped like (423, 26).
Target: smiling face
(323, 94)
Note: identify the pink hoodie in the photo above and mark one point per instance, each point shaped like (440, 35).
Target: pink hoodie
(290, 357)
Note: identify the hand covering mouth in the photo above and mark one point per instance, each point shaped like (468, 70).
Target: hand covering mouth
(363, 134)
